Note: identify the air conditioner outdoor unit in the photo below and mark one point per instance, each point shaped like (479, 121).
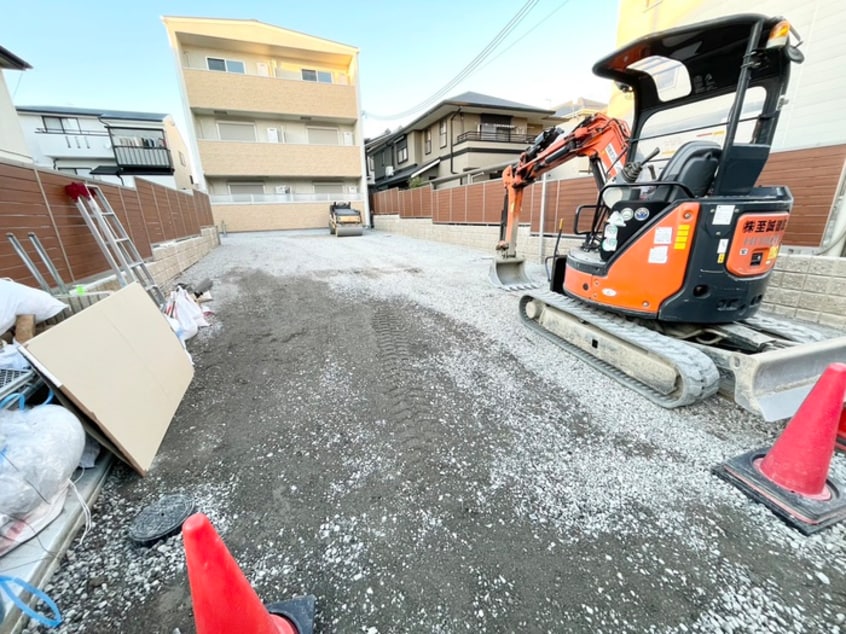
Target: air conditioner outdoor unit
(283, 189)
(389, 170)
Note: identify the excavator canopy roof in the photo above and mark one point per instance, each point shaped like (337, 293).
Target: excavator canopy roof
(709, 55)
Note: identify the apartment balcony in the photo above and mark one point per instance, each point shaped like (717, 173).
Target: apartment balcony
(500, 136)
(281, 199)
(83, 144)
(236, 158)
(143, 160)
(235, 92)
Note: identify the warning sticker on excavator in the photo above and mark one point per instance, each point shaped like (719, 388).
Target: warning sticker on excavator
(682, 237)
(658, 255)
(722, 246)
(723, 214)
(664, 235)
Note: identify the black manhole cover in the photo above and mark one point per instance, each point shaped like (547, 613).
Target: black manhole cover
(161, 519)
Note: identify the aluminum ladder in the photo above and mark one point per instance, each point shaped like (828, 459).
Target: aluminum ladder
(111, 237)
(45, 259)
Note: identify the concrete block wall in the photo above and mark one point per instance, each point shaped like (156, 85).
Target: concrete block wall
(480, 237)
(808, 287)
(170, 259)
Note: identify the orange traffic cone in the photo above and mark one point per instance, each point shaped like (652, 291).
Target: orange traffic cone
(792, 477)
(223, 599)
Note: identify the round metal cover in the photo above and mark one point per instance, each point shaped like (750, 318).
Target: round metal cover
(161, 519)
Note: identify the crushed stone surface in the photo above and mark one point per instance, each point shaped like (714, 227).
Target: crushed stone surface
(370, 423)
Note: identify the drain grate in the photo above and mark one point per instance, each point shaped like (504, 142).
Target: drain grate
(161, 519)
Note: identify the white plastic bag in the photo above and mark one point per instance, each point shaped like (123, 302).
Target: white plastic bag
(183, 309)
(11, 358)
(17, 299)
(39, 450)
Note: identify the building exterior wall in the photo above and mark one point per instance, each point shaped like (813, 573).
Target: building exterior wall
(13, 146)
(233, 158)
(87, 148)
(91, 147)
(271, 216)
(179, 154)
(816, 94)
(810, 120)
(301, 141)
(232, 92)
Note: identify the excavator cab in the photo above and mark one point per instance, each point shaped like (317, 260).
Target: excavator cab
(689, 218)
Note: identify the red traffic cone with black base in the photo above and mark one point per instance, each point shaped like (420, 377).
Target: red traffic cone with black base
(224, 601)
(791, 478)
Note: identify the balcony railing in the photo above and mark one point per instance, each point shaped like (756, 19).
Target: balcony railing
(504, 136)
(143, 157)
(338, 79)
(264, 199)
(79, 139)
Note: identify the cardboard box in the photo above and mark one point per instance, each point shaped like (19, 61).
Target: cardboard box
(121, 364)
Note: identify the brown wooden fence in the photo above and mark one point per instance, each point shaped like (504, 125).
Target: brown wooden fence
(481, 203)
(34, 200)
(812, 176)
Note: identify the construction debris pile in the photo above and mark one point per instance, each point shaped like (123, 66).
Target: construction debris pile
(86, 375)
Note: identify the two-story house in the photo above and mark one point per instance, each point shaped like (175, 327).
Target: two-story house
(109, 145)
(459, 135)
(274, 118)
(12, 143)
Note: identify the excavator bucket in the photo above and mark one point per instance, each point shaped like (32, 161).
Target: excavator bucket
(509, 274)
(774, 383)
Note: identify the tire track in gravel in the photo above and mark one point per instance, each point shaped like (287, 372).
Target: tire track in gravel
(408, 413)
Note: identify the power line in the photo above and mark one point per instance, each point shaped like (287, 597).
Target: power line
(522, 37)
(469, 68)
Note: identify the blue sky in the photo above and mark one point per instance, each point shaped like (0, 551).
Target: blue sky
(115, 54)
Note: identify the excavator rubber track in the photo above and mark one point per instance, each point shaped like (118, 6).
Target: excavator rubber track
(696, 375)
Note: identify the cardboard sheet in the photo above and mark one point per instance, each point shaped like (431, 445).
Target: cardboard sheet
(123, 367)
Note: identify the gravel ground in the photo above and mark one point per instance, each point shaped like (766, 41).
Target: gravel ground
(369, 422)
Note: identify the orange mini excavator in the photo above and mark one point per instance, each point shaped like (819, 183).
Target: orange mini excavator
(663, 293)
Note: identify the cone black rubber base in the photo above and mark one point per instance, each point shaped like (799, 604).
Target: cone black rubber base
(806, 515)
(299, 611)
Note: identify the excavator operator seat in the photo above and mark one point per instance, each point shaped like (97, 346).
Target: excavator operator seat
(693, 165)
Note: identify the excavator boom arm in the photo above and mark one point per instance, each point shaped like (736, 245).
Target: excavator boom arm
(602, 139)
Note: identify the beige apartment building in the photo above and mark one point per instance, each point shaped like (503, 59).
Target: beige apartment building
(274, 121)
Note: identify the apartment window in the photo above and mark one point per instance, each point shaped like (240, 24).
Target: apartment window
(442, 132)
(402, 150)
(428, 144)
(225, 65)
(323, 136)
(371, 166)
(320, 76)
(231, 131)
(244, 191)
(328, 188)
(61, 124)
(494, 126)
